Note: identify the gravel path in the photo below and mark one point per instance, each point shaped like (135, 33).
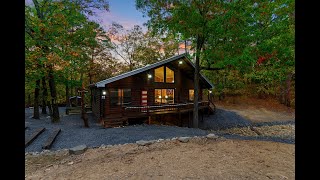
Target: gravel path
(223, 119)
(73, 133)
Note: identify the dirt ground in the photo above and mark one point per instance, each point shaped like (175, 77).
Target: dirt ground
(196, 159)
(258, 110)
(200, 158)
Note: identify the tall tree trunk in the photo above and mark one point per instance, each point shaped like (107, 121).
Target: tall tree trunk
(67, 94)
(196, 83)
(36, 113)
(83, 112)
(49, 107)
(29, 100)
(55, 110)
(288, 89)
(44, 95)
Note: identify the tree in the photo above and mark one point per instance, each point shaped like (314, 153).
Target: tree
(193, 19)
(51, 27)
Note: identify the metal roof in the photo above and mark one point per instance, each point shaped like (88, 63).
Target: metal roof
(139, 70)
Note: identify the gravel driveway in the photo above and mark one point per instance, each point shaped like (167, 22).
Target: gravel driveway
(73, 133)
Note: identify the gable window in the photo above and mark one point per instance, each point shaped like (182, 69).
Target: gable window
(164, 96)
(120, 97)
(169, 75)
(162, 74)
(159, 74)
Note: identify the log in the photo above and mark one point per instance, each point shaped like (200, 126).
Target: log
(52, 137)
(33, 136)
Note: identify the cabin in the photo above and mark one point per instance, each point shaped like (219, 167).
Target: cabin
(163, 91)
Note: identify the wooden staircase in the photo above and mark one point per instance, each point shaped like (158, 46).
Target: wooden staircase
(115, 121)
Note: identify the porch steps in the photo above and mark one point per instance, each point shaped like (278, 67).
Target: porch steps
(115, 121)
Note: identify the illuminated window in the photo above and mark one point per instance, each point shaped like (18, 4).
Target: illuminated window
(169, 75)
(191, 94)
(159, 74)
(164, 96)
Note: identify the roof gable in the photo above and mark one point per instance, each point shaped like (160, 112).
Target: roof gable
(148, 67)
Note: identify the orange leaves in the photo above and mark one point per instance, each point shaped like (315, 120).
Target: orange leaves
(73, 53)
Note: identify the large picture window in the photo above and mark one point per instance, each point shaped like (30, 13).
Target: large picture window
(164, 96)
(159, 74)
(119, 97)
(169, 75)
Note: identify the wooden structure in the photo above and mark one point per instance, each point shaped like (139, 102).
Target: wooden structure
(165, 87)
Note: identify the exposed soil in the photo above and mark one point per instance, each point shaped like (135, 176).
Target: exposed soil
(258, 110)
(196, 159)
(200, 158)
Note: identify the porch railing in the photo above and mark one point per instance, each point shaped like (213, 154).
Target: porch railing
(153, 109)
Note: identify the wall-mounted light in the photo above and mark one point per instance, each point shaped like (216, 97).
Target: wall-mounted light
(159, 96)
(210, 91)
(180, 62)
(166, 97)
(149, 76)
(104, 92)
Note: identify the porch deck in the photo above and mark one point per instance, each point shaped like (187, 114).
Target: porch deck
(154, 110)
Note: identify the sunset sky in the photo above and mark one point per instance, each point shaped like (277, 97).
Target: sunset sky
(123, 12)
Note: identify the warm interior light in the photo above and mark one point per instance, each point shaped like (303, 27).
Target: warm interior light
(166, 96)
(180, 62)
(159, 96)
(149, 76)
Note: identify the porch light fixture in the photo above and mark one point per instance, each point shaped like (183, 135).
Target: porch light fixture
(104, 92)
(210, 91)
(149, 76)
(180, 62)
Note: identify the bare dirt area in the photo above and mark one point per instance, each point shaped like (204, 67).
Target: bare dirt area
(261, 148)
(258, 110)
(200, 158)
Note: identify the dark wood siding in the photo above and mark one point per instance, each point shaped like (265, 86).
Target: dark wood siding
(139, 82)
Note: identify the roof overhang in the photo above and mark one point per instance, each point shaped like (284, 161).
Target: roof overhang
(102, 83)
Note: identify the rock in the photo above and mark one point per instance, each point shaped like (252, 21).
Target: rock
(143, 143)
(212, 136)
(184, 139)
(70, 163)
(159, 140)
(78, 149)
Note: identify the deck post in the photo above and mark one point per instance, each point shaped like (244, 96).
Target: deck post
(179, 116)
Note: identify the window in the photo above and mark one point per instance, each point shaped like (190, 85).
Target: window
(159, 74)
(169, 75)
(191, 94)
(164, 96)
(119, 97)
